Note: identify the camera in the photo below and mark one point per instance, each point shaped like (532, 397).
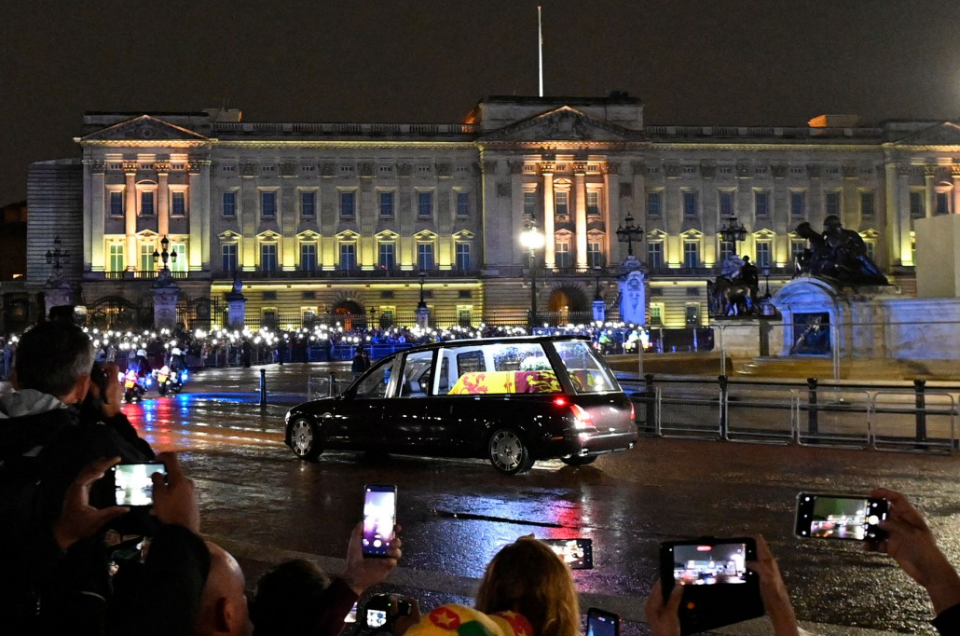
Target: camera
(380, 610)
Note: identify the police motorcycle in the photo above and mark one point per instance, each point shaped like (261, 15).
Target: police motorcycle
(171, 378)
(137, 379)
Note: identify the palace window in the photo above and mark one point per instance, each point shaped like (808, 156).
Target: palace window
(180, 264)
(228, 254)
(425, 203)
(425, 256)
(115, 262)
(726, 203)
(763, 254)
(798, 203)
(116, 203)
(917, 207)
(530, 203)
(594, 255)
(268, 257)
(146, 257)
(727, 249)
(562, 203)
(761, 200)
(308, 203)
(178, 203)
(463, 204)
(796, 248)
(563, 256)
(463, 256)
(943, 203)
(867, 204)
(348, 257)
(871, 246)
(691, 254)
(308, 257)
(388, 256)
(386, 203)
(656, 314)
(654, 201)
(689, 203)
(593, 202)
(348, 203)
(268, 204)
(146, 204)
(229, 204)
(655, 255)
(832, 203)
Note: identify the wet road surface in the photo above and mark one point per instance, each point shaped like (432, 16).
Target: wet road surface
(265, 504)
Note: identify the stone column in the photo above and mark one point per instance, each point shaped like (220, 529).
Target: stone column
(893, 212)
(850, 205)
(248, 216)
(130, 257)
(580, 183)
(517, 220)
(94, 257)
(903, 247)
(198, 175)
(163, 199)
(611, 208)
(955, 174)
(930, 173)
(549, 217)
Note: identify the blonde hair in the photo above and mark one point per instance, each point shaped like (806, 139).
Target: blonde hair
(528, 577)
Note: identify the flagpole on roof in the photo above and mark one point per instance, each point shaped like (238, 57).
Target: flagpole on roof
(540, 47)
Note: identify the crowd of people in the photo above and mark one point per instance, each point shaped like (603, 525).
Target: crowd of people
(73, 562)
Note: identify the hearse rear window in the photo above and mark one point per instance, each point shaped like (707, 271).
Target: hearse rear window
(505, 368)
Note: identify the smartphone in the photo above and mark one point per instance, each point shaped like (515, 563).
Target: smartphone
(376, 618)
(706, 562)
(132, 483)
(843, 517)
(576, 553)
(351, 616)
(602, 623)
(379, 518)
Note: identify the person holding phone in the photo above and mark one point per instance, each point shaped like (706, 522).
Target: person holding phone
(910, 542)
(663, 613)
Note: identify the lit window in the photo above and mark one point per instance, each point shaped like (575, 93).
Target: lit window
(593, 202)
(178, 205)
(726, 203)
(530, 203)
(463, 256)
(653, 203)
(763, 254)
(563, 256)
(796, 248)
(762, 203)
(689, 203)
(229, 204)
(146, 203)
(425, 256)
(228, 252)
(691, 254)
(655, 255)
(268, 204)
(116, 204)
(116, 257)
(917, 207)
(308, 257)
(308, 203)
(348, 202)
(561, 203)
(180, 264)
(867, 203)
(594, 255)
(348, 256)
(425, 203)
(268, 257)
(388, 256)
(463, 204)
(727, 249)
(146, 257)
(798, 203)
(386, 203)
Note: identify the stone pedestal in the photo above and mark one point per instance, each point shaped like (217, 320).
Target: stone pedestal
(633, 298)
(165, 306)
(236, 310)
(938, 256)
(739, 338)
(599, 311)
(423, 317)
(57, 295)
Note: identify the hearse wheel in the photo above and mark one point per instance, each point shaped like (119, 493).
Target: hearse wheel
(305, 439)
(508, 453)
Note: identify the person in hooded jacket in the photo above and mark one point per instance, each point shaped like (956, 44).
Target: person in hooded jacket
(56, 422)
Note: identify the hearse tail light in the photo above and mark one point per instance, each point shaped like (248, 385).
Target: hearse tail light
(581, 419)
(560, 401)
(633, 412)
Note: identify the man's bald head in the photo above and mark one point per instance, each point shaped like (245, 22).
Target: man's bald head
(223, 606)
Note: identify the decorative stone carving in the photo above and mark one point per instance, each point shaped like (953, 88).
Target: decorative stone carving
(248, 169)
(405, 169)
(743, 170)
(288, 169)
(444, 169)
(580, 167)
(850, 172)
(98, 167)
(672, 170)
(779, 170)
(610, 167)
(515, 166)
(547, 167)
(196, 166)
(638, 167)
(503, 188)
(633, 305)
(162, 167)
(626, 190)
(905, 171)
(131, 166)
(327, 169)
(489, 166)
(708, 171)
(814, 170)
(955, 170)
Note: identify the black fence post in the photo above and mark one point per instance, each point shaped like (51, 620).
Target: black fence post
(332, 387)
(813, 422)
(724, 394)
(919, 387)
(650, 398)
(263, 387)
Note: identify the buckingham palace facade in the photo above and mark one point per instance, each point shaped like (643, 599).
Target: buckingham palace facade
(322, 219)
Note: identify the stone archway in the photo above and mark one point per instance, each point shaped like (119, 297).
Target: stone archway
(569, 304)
(349, 313)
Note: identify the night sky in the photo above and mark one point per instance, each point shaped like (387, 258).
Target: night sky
(720, 62)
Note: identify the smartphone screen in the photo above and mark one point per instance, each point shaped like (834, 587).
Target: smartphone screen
(376, 618)
(379, 517)
(132, 483)
(351, 616)
(576, 553)
(721, 563)
(601, 623)
(839, 517)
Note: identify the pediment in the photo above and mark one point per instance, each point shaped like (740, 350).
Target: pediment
(563, 124)
(145, 128)
(945, 134)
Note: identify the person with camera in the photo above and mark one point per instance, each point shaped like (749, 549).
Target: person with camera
(297, 599)
(54, 424)
(910, 542)
(526, 590)
(663, 613)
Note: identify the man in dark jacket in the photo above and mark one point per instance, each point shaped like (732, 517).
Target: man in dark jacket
(56, 423)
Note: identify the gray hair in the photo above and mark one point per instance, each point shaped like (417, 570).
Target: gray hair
(52, 357)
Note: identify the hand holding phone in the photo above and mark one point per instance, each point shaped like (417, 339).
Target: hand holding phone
(379, 519)
(133, 483)
(840, 517)
(576, 553)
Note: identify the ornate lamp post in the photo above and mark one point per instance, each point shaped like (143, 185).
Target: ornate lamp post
(766, 276)
(629, 233)
(164, 256)
(733, 232)
(533, 240)
(423, 313)
(56, 259)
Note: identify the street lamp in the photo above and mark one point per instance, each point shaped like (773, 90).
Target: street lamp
(422, 304)
(597, 271)
(766, 276)
(56, 258)
(533, 240)
(164, 256)
(629, 233)
(733, 232)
